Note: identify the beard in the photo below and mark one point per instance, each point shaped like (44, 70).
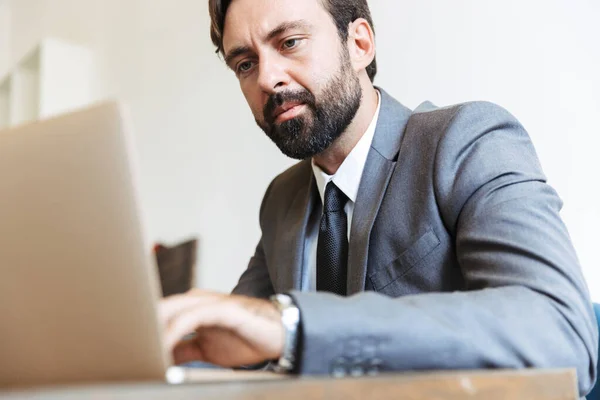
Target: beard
(323, 120)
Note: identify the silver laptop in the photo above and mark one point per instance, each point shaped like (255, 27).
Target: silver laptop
(78, 282)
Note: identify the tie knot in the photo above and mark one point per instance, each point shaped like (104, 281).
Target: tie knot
(335, 199)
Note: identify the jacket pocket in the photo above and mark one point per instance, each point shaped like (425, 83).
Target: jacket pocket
(406, 261)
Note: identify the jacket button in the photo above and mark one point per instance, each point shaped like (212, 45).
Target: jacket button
(338, 368)
(374, 367)
(357, 370)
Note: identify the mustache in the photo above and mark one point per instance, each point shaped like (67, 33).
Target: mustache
(280, 98)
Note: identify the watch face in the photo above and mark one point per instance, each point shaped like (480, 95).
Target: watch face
(290, 318)
(283, 299)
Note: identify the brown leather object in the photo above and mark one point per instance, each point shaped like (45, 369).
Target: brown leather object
(176, 266)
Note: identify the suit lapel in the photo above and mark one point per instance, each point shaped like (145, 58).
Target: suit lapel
(293, 233)
(376, 176)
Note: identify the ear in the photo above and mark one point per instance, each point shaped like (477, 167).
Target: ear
(361, 44)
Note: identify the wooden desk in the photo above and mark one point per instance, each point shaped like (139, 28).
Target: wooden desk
(488, 385)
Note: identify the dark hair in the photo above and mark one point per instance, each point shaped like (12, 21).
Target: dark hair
(343, 12)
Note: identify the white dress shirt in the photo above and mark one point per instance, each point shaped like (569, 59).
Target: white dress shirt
(347, 179)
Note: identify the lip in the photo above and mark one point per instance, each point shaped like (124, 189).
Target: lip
(287, 111)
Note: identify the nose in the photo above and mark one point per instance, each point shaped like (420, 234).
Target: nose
(272, 75)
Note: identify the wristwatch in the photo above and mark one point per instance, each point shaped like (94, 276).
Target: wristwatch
(290, 318)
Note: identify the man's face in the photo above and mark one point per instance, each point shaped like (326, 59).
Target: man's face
(294, 71)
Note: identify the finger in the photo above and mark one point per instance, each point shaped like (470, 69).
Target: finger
(171, 306)
(218, 347)
(187, 351)
(218, 314)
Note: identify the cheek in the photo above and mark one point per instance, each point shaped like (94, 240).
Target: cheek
(254, 99)
(318, 69)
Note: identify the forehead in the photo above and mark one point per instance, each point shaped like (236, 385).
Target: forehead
(249, 20)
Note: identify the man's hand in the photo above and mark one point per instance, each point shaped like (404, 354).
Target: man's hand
(230, 330)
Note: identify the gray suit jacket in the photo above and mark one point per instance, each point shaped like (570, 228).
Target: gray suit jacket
(458, 257)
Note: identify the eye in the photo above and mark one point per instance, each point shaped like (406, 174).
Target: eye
(290, 43)
(244, 66)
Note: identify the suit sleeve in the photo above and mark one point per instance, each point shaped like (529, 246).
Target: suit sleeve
(526, 303)
(255, 281)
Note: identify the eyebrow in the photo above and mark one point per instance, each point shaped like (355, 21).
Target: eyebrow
(279, 30)
(234, 53)
(287, 26)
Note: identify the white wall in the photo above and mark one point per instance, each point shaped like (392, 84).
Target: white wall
(4, 36)
(204, 163)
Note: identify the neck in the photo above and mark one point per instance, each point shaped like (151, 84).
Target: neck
(331, 159)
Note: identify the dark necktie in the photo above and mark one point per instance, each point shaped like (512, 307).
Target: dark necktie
(332, 245)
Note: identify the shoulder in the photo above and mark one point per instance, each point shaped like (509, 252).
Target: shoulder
(447, 131)
(284, 188)
(478, 145)
(463, 115)
(291, 180)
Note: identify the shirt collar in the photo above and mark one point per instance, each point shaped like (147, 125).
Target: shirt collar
(347, 178)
